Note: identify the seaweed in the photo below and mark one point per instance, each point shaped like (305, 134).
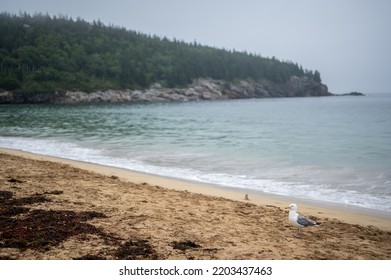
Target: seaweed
(24, 228)
(136, 250)
(185, 245)
(90, 257)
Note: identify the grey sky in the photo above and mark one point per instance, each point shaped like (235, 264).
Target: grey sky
(348, 41)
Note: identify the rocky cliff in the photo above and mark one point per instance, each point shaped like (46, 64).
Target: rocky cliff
(200, 89)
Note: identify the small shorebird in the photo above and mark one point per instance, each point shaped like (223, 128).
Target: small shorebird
(298, 220)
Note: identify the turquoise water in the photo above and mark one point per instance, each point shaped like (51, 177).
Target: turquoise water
(335, 149)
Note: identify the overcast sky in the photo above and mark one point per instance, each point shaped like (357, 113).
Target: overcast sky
(347, 41)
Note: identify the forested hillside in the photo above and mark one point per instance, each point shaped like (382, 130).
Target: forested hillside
(41, 53)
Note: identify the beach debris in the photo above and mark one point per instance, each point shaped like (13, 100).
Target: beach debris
(6, 198)
(298, 220)
(185, 245)
(55, 192)
(38, 229)
(5, 195)
(90, 257)
(14, 180)
(41, 228)
(138, 249)
(11, 211)
(36, 198)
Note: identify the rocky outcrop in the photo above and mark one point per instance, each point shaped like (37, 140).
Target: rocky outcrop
(353, 93)
(200, 89)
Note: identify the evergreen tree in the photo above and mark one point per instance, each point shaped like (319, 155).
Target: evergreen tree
(45, 54)
(317, 76)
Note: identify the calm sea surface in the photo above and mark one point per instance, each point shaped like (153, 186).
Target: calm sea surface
(334, 149)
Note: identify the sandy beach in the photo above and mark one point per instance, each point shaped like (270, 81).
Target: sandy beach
(53, 208)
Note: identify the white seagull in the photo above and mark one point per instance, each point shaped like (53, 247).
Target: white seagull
(298, 220)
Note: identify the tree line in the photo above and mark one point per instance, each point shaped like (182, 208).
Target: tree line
(42, 53)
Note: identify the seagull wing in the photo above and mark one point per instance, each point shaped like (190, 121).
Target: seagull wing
(305, 222)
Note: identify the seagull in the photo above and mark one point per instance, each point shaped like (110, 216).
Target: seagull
(298, 220)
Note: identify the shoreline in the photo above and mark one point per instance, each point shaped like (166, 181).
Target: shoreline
(56, 209)
(329, 210)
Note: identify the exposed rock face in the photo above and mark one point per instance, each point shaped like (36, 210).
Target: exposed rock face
(200, 89)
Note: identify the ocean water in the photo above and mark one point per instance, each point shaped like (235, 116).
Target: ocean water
(331, 149)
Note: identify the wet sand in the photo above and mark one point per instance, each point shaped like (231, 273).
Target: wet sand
(53, 208)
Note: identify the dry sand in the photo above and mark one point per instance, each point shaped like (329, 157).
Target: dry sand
(60, 209)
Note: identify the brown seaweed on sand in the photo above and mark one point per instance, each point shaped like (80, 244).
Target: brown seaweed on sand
(38, 229)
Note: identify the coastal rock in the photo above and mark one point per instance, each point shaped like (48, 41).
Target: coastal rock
(353, 93)
(200, 89)
(6, 97)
